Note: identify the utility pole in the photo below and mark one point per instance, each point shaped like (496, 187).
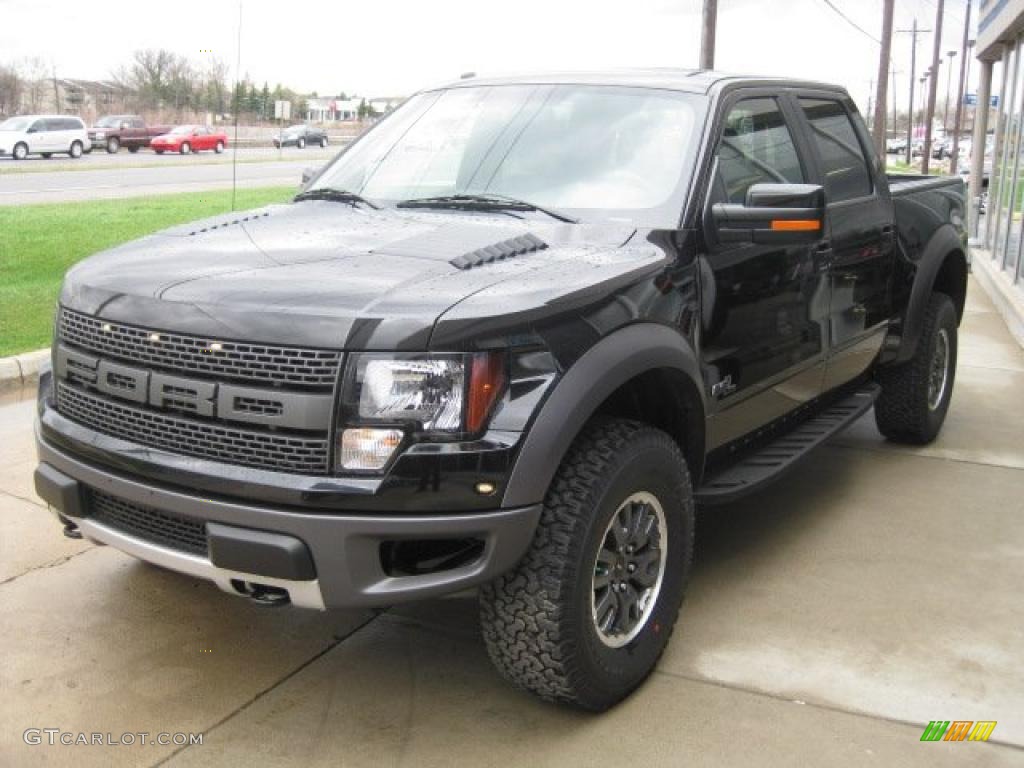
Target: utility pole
(884, 57)
(932, 87)
(949, 83)
(893, 73)
(871, 106)
(914, 32)
(707, 36)
(964, 59)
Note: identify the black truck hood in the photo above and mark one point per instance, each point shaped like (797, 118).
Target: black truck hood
(326, 274)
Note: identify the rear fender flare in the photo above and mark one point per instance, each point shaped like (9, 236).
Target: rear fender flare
(601, 370)
(942, 244)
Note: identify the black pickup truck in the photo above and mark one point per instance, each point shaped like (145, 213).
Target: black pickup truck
(508, 339)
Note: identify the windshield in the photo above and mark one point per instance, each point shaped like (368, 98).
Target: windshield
(109, 122)
(183, 130)
(15, 124)
(599, 151)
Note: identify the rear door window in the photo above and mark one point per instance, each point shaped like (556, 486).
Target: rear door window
(844, 162)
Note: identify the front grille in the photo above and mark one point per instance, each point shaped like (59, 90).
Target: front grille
(192, 437)
(160, 528)
(259, 363)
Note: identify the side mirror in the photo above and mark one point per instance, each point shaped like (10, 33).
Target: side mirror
(773, 214)
(308, 174)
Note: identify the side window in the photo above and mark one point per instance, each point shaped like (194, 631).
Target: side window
(39, 126)
(846, 169)
(756, 148)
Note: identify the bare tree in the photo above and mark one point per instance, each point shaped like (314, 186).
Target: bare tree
(38, 84)
(10, 90)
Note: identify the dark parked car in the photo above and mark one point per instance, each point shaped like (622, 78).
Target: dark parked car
(129, 131)
(515, 355)
(300, 136)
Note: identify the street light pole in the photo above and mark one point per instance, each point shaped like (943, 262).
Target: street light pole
(932, 88)
(949, 83)
(964, 64)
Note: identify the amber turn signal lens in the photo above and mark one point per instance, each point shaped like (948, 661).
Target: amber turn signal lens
(486, 382)
(798, 225)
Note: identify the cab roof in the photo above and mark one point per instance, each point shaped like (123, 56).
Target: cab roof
(701, 81)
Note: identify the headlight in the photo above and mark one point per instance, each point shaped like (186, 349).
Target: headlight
(389, 397)
(100, 135)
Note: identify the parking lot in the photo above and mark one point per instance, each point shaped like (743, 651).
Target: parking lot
(828, 621)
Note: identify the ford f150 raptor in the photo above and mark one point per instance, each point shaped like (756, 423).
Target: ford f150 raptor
(509, 339)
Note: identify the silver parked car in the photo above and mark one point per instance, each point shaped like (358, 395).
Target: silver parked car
(44, 135)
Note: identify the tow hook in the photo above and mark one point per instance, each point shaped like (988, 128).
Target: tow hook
(70, 527)
(261, 593)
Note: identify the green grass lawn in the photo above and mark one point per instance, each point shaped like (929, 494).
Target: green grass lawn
(38, 243)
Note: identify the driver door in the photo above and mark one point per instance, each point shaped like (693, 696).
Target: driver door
(764, 306)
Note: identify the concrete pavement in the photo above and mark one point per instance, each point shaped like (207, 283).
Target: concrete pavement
(828, 620)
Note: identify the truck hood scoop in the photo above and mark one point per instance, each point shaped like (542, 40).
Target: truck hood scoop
(466, 246)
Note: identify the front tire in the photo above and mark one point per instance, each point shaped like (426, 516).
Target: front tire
(113, 145)
(301, 143)
(323, 143)
(186, 148)
(915, 394)
(587, 613)
(219, 148)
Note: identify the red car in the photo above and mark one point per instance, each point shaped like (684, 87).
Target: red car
(190, 138)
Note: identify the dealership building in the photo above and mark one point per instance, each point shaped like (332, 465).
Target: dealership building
(999, 234)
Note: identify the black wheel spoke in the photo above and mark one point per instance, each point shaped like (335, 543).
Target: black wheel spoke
(628, 569)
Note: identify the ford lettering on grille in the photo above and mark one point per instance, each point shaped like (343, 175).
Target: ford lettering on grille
(207, 399)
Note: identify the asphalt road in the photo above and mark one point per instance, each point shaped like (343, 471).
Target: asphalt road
(102, 176)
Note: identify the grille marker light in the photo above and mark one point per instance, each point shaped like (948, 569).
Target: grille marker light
(107, 327)
(154, 337)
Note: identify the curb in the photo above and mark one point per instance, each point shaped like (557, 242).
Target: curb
(19, 370)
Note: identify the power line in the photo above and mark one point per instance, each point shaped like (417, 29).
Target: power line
(851, 22)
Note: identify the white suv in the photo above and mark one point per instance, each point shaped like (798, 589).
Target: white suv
(43, 135)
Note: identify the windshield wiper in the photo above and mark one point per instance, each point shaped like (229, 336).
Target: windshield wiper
(484, 202)
(335, 196)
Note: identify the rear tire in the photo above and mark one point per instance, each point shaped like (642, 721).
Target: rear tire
(76, 149)
(915, 394)
(323, 143)
(158, 151)
(20, 151)
(133, 150)
(566, 623)
(301, 143)
(46, 155)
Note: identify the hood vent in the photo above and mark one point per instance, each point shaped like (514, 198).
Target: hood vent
(506, 249)
(229, 223)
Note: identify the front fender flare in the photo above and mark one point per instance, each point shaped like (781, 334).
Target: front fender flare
(600, 371)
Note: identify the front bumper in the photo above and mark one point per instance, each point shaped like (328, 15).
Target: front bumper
(321, 560)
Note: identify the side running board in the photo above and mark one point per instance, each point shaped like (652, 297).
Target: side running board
(774, 459)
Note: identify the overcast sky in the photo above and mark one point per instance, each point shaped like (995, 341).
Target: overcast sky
(393, 47)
